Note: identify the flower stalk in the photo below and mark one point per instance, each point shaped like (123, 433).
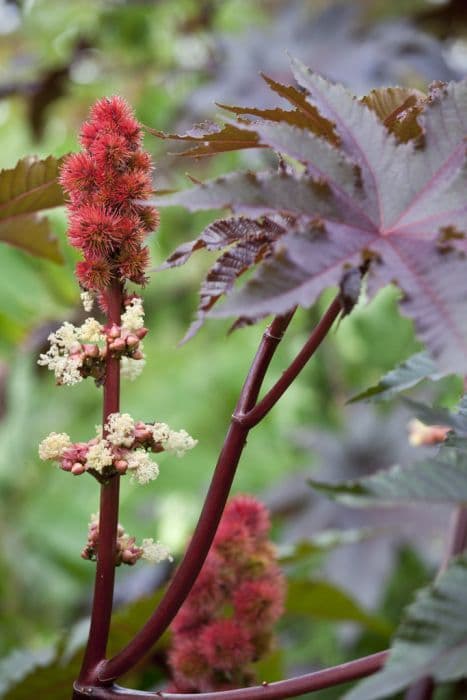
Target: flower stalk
(108, 518)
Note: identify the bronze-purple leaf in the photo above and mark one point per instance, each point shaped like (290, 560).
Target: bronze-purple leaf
(389, 201)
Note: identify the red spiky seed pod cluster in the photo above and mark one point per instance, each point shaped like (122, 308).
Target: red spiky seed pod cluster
(105, 184)
(226, 623)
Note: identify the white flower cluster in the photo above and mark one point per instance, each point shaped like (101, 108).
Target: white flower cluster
(54, 445)
(131, 369)
(99, 456)
(91, 331)
(125, 446)
(120, 429)
(176, 441)
(133, 316)
(64, 357)
(179, 442)
(141, 467)
(160, 432)
(155, 551)
(132, 320)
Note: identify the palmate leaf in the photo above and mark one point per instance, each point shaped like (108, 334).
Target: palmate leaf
(441, 479)
(438, 479)
(431, 640)
(213, 138)
(406, 375)
(367, 200)
(28, 188)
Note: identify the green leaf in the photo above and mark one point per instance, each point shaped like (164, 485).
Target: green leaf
(404, 376)
(321, 600)
(20, 663)
(28, 188)
(322, 542)
(440, 479)
(50, 673)
(431, 640)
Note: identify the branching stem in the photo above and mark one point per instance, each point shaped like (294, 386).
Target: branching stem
(290, 688)
(216, 498)
(248, 413)
(253, 416)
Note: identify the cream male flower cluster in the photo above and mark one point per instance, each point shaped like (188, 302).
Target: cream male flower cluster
(77, 352)
(123, 447)
(126, 550)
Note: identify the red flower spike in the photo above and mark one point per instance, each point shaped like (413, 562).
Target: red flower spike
(78, 176)
(95, 274)
(149, 218)
(226, 645)
(251, 513)
(106, 184)
(96, 231)
(226, 623)
(133, 264)
(189, 661)
(259, 603)
(110, 150)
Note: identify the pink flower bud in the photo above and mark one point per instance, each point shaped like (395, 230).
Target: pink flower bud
(117, 345)
(137, 355)
(91, 350)
(141, 333)
(143, 434)
(132, 341)
(66, 464)
(121, 465)
(129, 557)
(114, 332)
(78, 468)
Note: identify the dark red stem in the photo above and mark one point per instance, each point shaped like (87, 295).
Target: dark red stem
(108, 519)
(253, 416)
(267, 691)
(216, 498)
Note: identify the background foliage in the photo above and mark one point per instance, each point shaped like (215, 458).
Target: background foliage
(172, 61)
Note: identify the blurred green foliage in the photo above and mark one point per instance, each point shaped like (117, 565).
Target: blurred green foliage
(154, 54)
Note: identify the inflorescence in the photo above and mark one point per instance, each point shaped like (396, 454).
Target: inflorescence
(106, 184)
(123, 448)
(226, 623)
(109, 221)
(126, 549)
(77, 352)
